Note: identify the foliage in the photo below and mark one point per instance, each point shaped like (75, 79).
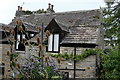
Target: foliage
(83, 55)
(111, 65)
(37, 11)
(28, 12)
(111, 21)
(40, 11)
(35, 68)
(110, 59)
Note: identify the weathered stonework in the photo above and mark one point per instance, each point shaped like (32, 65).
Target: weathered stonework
(89, 64)
(6, 59)
(73, 18)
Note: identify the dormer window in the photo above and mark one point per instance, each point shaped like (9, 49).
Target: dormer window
(53, 43)
(58, 31)
(20, 36)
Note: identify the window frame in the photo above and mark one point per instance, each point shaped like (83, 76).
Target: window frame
(22, 36)
(53, 45)
(32, 34)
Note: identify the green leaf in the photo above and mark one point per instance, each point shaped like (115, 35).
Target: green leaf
(19, 76)
(13, 64)
(56, 77)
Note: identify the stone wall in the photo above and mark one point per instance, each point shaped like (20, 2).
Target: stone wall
(89, 64)
(21, 59)
(6, 59)
(0, 53)
(70, 50)
(0, 61)
(25, 55)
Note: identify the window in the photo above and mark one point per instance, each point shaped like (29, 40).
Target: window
(19, 44)
(2, 69)
(53, 43)
(56, 42)
(31, 35)
(18, 41)
(50, 42)
(23, 36)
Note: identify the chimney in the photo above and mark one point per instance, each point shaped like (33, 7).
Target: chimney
(52, 7)
(18, 8)
(49, 5)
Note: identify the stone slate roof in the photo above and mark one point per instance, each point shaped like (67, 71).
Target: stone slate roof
(81, 34)
(62, 26)
(30, 26)
(82, 24)
(5, 26)
(4, 33)
(85, 17)
(4, 36)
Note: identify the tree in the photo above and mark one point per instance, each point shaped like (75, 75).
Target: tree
(111, 65)
(111, 21)
(110, 60)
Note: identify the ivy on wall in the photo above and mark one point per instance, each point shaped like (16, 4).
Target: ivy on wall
(81, 56)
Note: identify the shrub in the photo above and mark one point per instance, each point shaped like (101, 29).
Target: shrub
(83, 55)
(35, 68)
(111, 65)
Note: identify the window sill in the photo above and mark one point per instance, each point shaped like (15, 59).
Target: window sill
(21, 52)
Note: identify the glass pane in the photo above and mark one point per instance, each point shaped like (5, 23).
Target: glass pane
(31, 35)
(56, 42)
(18, 37)
(23, 36)
(50, 41)
(18, 41)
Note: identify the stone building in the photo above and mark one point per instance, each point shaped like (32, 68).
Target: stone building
(81, 27)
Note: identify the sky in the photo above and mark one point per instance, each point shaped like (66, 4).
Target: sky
(9, 7)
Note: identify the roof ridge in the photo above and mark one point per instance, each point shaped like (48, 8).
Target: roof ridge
(77, 11)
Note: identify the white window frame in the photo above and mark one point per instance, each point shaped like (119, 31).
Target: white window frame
(56, 42)
(18, 42)
(50, 41)
(53, 43)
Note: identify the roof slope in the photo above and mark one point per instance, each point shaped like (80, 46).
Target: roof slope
(83, 25)
(86, 17)
(81, 34)
(30, 26)
(62, 26)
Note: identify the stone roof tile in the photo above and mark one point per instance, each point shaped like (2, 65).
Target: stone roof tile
(86, 17)
(82, 34)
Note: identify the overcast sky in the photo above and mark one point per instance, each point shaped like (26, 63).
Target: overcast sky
(9, 7)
